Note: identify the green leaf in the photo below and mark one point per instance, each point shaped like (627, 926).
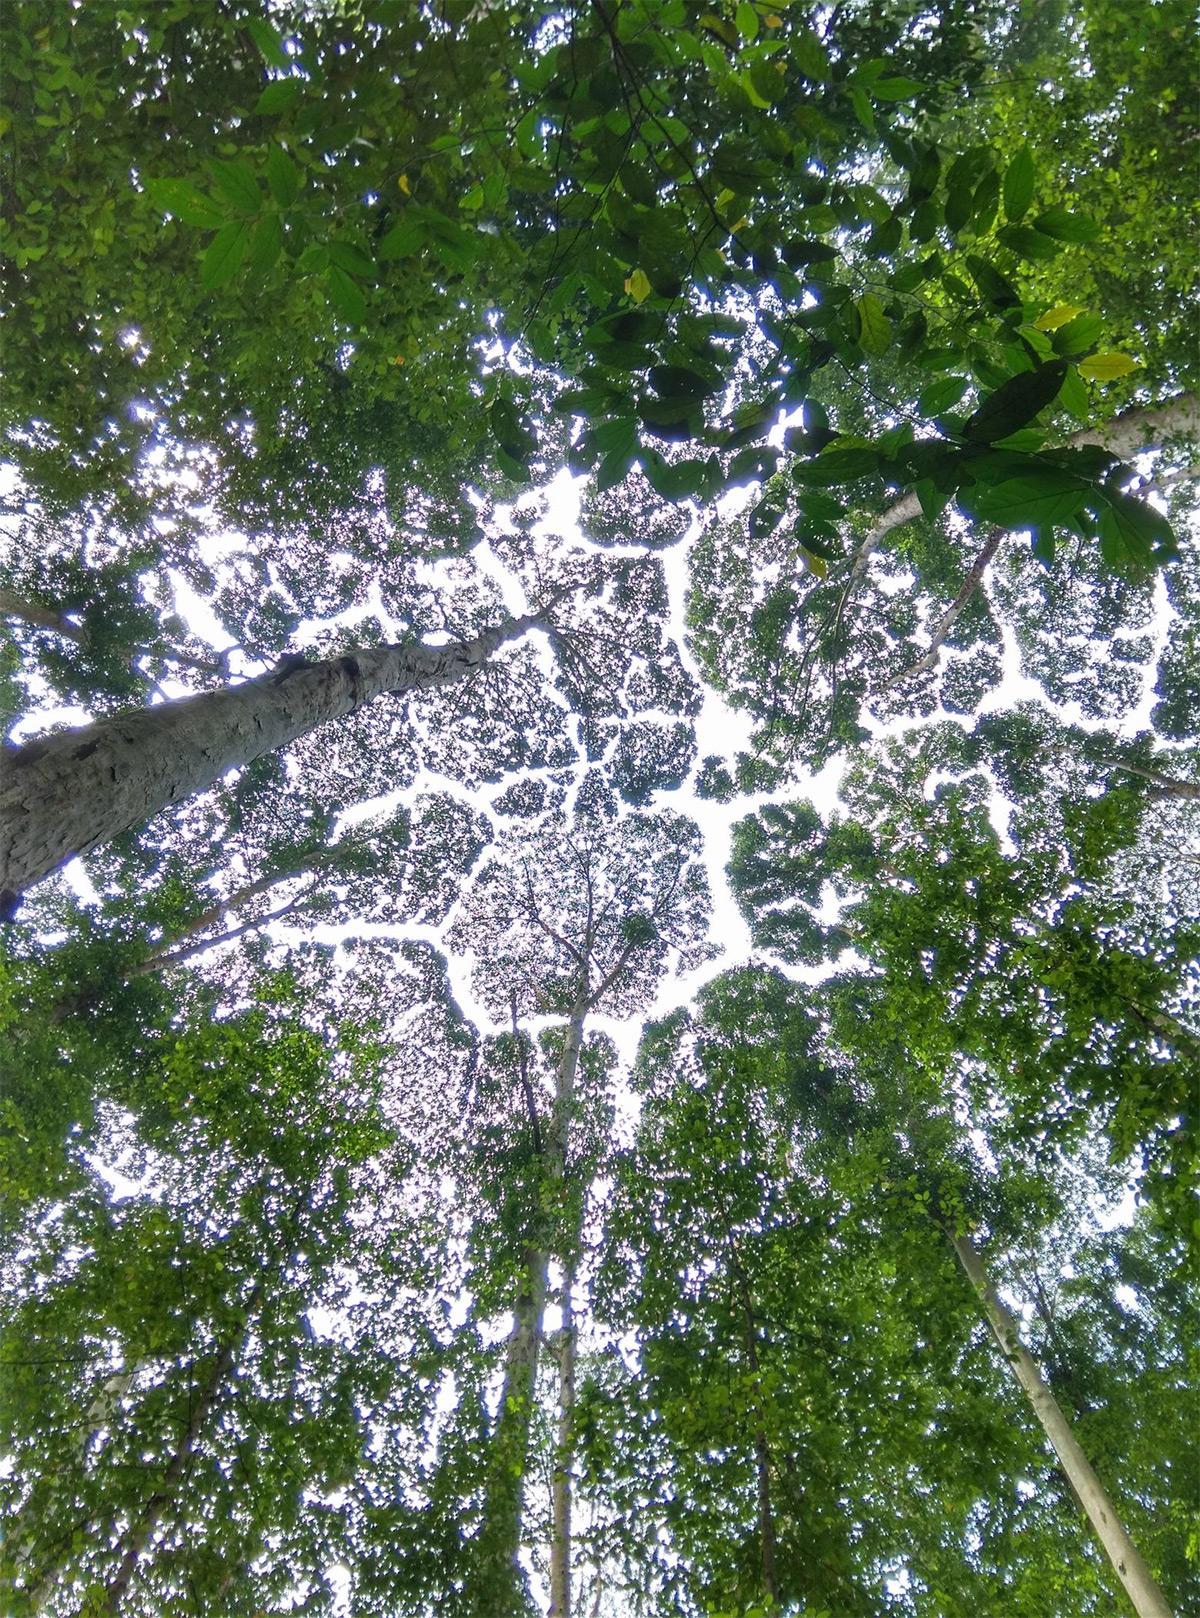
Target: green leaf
(278, 96)
(345, 295)
(1019, 178)
(269, 42)
(1078, 336)
(267, 244)
(185, 202)
(224, 256)
(834, 466)
(942, 395)
(767, 83)
(809, 54)
(236, 181)
(283, 177)
(876, 334)
(1107, 367)
(1065, 226)
(996, 288)
(1074, 396)
(1132, 531)
(351, 259)
(894, 87)
(403, 240)
(1036, 499)
(1029, 243)
(680, 480)
(619, 433)
(612, 470)
(747, 21)
(1015, 403)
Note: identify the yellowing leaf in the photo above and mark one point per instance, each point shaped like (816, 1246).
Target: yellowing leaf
(402, 182)
(815, 564)
(771, 21)
(1107, 367)
(638, 286)
(1058, 316)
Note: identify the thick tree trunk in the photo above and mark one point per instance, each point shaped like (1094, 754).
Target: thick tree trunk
(500, 1533)
(560, 1543)
(1148, 1600)
(65, 794)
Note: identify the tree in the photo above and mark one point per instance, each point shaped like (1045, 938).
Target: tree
(573, 921)
(685, 378)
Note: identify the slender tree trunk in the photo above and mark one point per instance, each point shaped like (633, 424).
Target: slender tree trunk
(560, 1543)
(65, 794)
(500, 1533)
(31, 612)
(137, 1536)
(762, 1448)
(941, 630)
(1148, 1600)
(1170, 786)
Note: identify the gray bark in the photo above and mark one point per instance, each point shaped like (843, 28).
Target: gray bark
(1148, 1600)
(66, 794)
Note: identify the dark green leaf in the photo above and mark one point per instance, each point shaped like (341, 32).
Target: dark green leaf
(1078, 336)
(1029, 243)
(1015, 403)
(278, 96)
(1065, 226)
(235, 180)
(283, 177)
(403, 240)
(941, 395)
(268, 41)
(351, 259)
(894, 87)
(1039, 498)
(809, 54)
(346, 296)
(1019, 178)
(267, 244)
(224, 256)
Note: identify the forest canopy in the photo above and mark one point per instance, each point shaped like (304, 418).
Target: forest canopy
(599, 808)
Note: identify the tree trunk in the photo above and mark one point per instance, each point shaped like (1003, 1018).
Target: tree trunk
(500, 1533)
(30, 612)
(560, 1543)
(1148, 1600)
(137, 1535)
(65, 794)
(1169, 786)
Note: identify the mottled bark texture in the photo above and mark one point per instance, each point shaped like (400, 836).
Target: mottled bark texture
(66, 794)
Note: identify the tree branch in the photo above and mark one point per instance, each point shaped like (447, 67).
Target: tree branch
(951, 615)
(1142, 427)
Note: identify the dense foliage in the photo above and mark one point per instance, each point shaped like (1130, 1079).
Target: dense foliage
(599, 1006)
